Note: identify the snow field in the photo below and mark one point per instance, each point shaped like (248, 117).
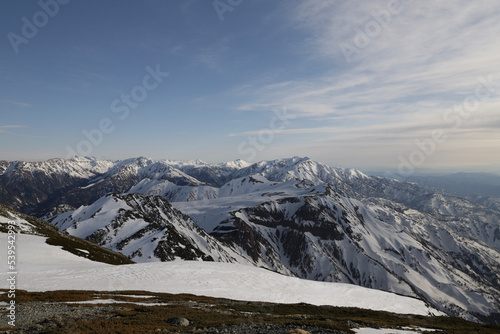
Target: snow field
(42, 267)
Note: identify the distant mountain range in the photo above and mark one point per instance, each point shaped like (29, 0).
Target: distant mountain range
(294, 216)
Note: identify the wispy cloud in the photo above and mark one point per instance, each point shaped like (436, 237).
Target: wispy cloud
(13, 126)
(213, 55)
(17, 104)
(3, 128)
(423, 62)
(396, 129)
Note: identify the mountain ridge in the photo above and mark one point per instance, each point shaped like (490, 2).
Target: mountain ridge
(31, 225)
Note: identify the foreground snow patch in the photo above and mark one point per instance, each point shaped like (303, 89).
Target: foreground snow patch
(114, 301)
(393, 331)
(43, 268)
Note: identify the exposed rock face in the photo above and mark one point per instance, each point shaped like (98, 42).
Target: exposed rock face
(144, 228)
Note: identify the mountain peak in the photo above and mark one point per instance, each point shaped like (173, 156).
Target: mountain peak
(236, 164)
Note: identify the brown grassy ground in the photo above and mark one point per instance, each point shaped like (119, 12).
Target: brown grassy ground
(205, 313)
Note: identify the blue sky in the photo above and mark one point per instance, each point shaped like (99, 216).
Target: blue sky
(373, 84)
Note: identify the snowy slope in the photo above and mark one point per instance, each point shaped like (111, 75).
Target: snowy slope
(145, 229)
(30, 225)
(44, 268)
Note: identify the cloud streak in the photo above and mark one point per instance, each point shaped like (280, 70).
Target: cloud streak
(3, 128)
(426, 61)
(17, 104)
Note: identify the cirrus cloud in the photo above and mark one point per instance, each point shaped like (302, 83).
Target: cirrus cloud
(397, 88)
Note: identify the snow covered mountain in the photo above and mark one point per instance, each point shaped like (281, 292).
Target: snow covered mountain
(294, 216)
(50, 187)
(11, 220)
(321, 235)
(145, 229)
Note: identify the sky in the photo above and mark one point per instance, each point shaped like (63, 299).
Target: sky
(393, 85)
